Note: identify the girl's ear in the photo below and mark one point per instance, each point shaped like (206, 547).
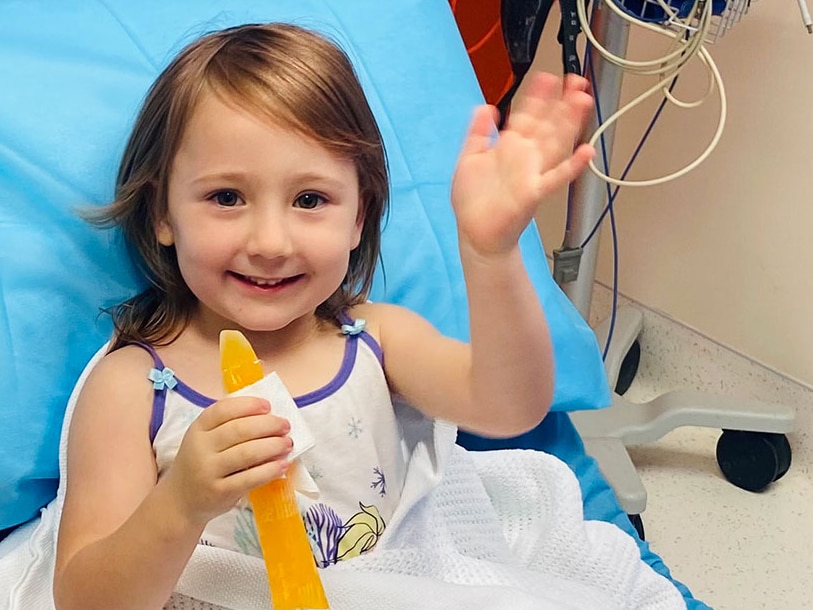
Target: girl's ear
(164, 233)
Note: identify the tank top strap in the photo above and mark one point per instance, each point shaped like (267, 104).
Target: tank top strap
(355, 329)
(163, 379)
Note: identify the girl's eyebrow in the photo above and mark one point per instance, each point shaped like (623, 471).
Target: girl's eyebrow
(219, 177)
(326, 180)
(323, 180)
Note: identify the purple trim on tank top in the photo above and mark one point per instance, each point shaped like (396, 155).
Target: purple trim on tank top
(198, 399)
(159, 396)
(159, 400)
(349, 359)
(365, 336)
(374, 346)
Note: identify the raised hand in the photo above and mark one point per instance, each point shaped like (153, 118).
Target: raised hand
(234, 446)
(500, 182)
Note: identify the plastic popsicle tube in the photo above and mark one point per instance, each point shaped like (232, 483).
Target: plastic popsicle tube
(292, 572)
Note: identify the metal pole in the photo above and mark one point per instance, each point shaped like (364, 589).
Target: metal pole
(589, 193)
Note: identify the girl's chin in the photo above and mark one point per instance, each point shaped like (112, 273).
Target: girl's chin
(267, 324)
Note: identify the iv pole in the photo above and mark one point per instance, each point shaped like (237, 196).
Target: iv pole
(589, 192)
(607, 432)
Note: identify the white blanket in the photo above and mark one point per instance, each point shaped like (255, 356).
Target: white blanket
(497, 530)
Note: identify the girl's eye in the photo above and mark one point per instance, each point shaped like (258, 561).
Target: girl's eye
(227, 199)
(309, 201)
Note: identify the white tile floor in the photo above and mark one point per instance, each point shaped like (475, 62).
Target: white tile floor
(736, 550)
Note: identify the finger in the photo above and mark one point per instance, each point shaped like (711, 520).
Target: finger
(230, 408)
(567, 171)
(546, 86)
(557, 132)
(554, 99)
(242, 429)
(253, 453)
(537, 101)
(495, 117)
(246, 480)
(576, 82)
(481, 130)
(577, 105)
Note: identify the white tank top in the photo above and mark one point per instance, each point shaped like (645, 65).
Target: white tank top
(358, 461)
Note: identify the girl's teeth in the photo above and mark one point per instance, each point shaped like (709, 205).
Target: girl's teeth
(262, 282)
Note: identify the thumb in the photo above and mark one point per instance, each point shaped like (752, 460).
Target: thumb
(482, 130)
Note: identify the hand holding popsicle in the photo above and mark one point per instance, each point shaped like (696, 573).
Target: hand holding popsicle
(234, 446)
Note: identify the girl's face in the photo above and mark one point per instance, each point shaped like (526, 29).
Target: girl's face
(262, 219)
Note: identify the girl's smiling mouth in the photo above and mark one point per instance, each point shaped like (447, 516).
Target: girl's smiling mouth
(265, 283)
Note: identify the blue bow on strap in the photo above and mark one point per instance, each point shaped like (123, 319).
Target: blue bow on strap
(163, 378)
(355, 328)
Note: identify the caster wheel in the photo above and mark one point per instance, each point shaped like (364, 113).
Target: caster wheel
(638, 524)
(782, 446)
(753, 460)
(629, 368)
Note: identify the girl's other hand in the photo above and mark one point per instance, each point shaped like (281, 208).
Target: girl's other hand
(498, 185)
(235, 445)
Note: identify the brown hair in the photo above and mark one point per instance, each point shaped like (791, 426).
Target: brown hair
(295, 78)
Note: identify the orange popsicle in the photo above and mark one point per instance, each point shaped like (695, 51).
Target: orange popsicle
(292, 572)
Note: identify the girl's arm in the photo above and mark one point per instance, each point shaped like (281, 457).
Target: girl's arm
(122, 541)
(125, 538)
(502, 383)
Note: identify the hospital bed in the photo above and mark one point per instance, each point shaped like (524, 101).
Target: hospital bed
(74, 74)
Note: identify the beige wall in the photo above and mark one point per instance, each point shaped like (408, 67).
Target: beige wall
(726, 249)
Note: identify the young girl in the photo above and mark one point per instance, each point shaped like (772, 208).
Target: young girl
(252, 191)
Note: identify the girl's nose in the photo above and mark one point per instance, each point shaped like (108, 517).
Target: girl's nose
(269, 235)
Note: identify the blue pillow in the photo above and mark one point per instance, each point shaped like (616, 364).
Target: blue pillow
(74, 74)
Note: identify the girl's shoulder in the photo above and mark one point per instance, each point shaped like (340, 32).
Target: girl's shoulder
(421, 365)
(125, 361)
(387, 321)
(378, 315)
(119, 374)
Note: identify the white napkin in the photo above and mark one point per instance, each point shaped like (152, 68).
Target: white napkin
(274, 391)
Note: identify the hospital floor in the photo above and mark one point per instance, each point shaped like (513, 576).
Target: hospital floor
(736, 550)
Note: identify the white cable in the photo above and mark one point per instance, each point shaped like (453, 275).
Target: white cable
(689, 43)
(805, 16)
(699, 102)
(706, 58)
(685, 36)
(686, 45)
(621, 61)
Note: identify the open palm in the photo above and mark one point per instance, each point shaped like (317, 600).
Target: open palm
(499, 183)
